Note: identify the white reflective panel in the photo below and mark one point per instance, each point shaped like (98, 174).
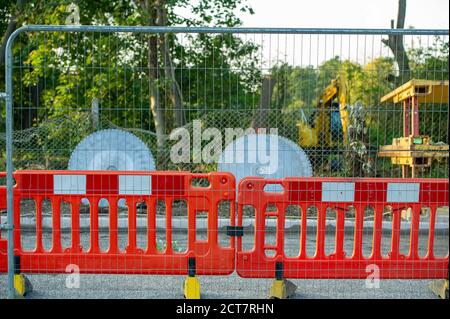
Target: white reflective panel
(338, 192)
(135, 185)
(403, 192)
(69, 184)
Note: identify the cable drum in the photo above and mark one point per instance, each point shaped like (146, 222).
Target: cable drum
(112, 150)
(264, 155)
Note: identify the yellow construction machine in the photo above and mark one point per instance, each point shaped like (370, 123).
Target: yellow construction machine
(327, 126)
(335, 131)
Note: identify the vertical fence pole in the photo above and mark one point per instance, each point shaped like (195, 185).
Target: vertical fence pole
(9, 163)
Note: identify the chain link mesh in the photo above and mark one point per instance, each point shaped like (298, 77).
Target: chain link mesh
(217, 79)
(68, 85)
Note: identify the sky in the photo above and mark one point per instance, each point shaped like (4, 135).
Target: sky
(421, 14)
(366, 14)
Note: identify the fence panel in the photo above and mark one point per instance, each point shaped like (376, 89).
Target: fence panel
(187, 96)
(344, 197)
(77, 188)
(327, 90)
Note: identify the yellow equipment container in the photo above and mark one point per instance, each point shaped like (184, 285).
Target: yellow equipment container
(414, 150)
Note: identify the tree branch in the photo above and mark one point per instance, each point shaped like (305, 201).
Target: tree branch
(395, 43)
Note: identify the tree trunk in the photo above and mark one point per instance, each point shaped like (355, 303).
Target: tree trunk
(174, 92)
(395, 43)
(261, 115)
(159, 118)
(158, 111)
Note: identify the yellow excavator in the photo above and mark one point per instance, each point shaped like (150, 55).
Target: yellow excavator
(327, 126)
(336, 131)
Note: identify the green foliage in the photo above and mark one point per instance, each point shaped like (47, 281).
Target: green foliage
(300, 87)
(222, 70)
(77, 67)
(294, 87)
(430, 62)
(58, 75)
(374, 81)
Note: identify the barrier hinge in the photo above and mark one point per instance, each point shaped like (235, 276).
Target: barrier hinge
(279, 271)
(3, 95)
(191, 267)
(17, 265)
(235, 231)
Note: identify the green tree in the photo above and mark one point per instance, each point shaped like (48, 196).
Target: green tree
(431, 62)
(375, 81)
(294, 87)
(157, 74)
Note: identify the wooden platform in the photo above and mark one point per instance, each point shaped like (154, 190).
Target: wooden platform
(425, 90)
(404, 151)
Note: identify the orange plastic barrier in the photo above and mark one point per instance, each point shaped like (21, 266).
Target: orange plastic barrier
(201, 256)
(206, 256)
(338, 194)
(3, 243)
(2, 193)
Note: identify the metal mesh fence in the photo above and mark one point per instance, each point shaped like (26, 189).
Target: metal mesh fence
(321, 89)
(68, 85)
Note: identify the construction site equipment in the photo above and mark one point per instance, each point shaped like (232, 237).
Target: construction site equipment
(414, 151)
(207, 257)
(327, 127)
(112, 149)
(201, 257)
(336, 131)
(264, 155)
(55, 91)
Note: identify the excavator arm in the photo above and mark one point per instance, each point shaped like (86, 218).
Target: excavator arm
(337, 89)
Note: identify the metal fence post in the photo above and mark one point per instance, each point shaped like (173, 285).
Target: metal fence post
(9, 223)
(9, 162)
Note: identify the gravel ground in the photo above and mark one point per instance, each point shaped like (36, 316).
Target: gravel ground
(142, 286)
(223, 287)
